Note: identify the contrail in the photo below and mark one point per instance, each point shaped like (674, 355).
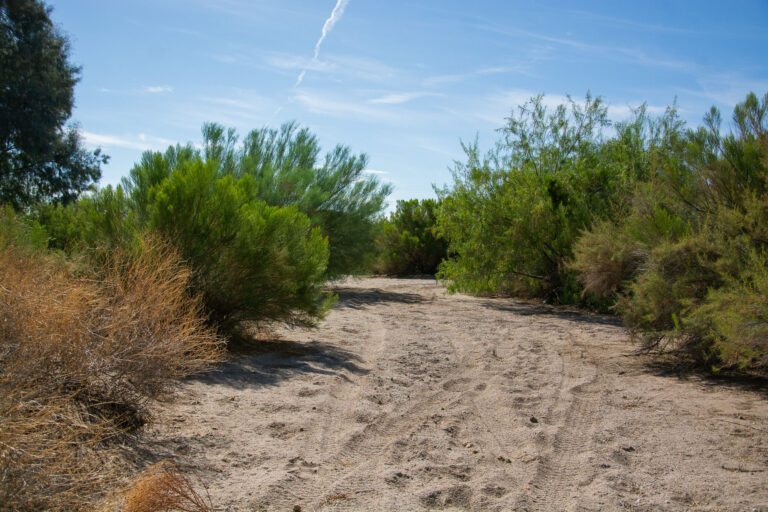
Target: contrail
(338, 10)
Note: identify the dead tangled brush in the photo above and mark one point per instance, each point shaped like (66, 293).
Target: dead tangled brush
(164, 488)
(79, 357)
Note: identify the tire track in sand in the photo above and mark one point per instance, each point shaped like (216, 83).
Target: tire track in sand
(300, 479)
(563, 468)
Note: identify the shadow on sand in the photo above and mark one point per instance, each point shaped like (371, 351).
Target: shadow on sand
(530, 309)
(267, 363)
(687, 370)
(678, 366)
(359, 298)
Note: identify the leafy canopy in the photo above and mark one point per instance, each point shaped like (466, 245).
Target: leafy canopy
(408, 243)
(40, 159)
(286, 169)
(687, 258)
(511, 216)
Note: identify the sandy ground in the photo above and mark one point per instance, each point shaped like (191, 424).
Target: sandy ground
(407, 398)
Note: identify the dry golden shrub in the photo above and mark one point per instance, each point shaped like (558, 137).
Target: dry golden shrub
(50, 457)
(164, 488)
(79, 357)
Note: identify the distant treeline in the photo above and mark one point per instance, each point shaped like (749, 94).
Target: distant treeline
(665, 225)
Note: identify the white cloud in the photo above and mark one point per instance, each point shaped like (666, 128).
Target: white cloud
(617, 53)
(494, 109)
(397, 98)
(295, 62)
(141, 141)
(624, 112)
(342, 107)
(726, 89)
(460, 77)
(158, 89)
(336, 65)
(379, 175)
(241, 108)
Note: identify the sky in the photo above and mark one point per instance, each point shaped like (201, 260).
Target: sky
(404, 82)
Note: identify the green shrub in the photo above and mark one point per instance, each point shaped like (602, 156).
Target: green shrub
(609, 256)
(732, 323)
(287, 170)
(19, 232)
(511, 217)
(252, 261)
(687, 259)
(103, 219)
(408, 244)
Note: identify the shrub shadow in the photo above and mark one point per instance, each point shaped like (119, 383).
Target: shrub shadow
(682, 368)
(358, 298)
(267, 363)
(530, 309)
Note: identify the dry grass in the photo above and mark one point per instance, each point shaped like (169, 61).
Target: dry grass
(163, 487)
(79, 358)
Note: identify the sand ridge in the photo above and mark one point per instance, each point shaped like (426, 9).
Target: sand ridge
(407, 398)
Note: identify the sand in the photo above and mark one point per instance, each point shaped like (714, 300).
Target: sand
(407, 398)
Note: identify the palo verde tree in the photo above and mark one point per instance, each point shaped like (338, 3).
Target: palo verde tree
(40, 159)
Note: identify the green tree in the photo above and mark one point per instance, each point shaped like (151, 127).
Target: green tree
(408, 243)
(512, 216)
(287, 170)
(40, 158)
(687, 260)
(251, 262)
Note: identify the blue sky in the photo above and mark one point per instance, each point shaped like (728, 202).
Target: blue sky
(402, 81)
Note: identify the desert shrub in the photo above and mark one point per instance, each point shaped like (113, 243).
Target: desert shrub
(286, 169)
(687, 257)
(79, 357)
(732, 323)
(611, 253)
(102, 219)
(253, 262)
(52, 453)
(250, 261)
(163, 487)
(408, 243)
(705, 295)
(262, 224)
(24, 233)
(511, 217)
(114, 338)
(677, 276)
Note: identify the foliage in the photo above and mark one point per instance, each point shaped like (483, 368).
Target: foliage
(408, 244)
(687, 259)
(665, 222)
(80, 355)
(251, 261)
(287, 170)
(39, 158)
(512, 216)
(102, 219)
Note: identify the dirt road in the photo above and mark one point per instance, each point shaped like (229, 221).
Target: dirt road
(407, 398)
